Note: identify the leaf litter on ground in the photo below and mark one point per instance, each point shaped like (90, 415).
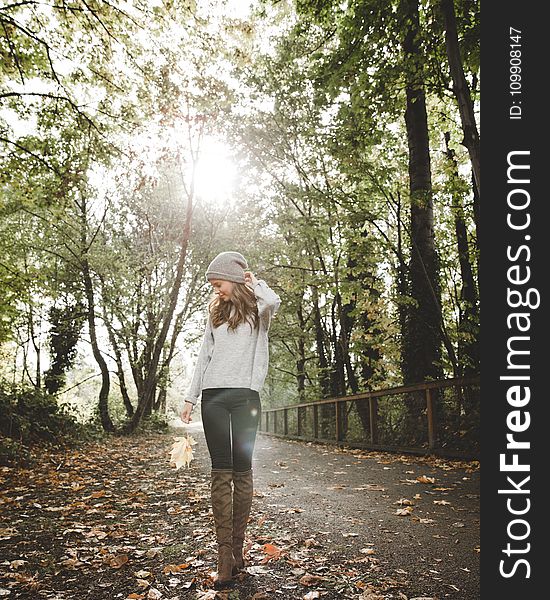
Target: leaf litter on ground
(115, 519)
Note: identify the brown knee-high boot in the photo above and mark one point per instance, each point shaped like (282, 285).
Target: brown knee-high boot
(242, 501)
(222, 511)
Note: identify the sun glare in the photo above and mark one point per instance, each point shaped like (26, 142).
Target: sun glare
(216, 173)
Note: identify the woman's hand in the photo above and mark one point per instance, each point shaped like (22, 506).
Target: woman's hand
(185, 415)
(250, 278)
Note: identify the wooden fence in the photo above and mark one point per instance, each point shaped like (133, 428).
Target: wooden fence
(433, 417)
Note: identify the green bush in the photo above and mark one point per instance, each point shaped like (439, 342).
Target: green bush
(30, 416)
(12, 452)
(156, 423)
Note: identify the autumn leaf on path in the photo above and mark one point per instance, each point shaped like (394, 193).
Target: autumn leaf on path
(425, 479)
(117, 561)
(182, 451)
(424, 521)
(404, 502)
(404, 512)
(371, 594)
(169, 569)
(309, 579)
(271, 551)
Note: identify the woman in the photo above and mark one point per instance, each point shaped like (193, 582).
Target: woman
(230, 371)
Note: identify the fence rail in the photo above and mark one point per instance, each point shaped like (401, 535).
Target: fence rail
(434, 417)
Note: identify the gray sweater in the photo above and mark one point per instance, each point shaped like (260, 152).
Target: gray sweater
(238, 358)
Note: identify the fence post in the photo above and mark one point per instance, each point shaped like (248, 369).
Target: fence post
(315, 421)
(431, 424)
(338, 424)
(285, 421)
(373, 418)
(299, 415)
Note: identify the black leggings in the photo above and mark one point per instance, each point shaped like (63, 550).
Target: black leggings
(230, 417)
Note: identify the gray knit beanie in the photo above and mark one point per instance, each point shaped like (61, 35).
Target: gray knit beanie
(228, 266)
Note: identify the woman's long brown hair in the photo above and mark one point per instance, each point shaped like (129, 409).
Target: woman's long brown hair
(245, 308)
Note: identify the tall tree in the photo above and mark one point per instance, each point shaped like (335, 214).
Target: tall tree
(422, 337)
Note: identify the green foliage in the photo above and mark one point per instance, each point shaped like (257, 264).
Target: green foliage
(28, 417)
(154, 423)
(322, 211)
(66, 324)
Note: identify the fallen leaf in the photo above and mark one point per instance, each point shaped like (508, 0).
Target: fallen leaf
(309, 579)
(97, 533)
(175, 568)
(424, 521)
(257, 570)
(117, 561)
(442, 502)
(311, 595)
(425, 479)
(7, 532)
(404, 501)
(371, 594)
(404, 512)
(272, 552)
(142, 574)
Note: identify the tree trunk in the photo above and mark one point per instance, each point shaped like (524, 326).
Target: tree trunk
(337, 377)
(477, 218)
(422, 336)
(103, 406)
(103, 402)
(462, 91)
(301, 361)
(120, 370)
(324, 380)
(469, 358)
(468, 326)
(326, 411)
(151, 377)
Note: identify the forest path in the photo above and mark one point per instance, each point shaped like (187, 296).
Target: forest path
(115, 520)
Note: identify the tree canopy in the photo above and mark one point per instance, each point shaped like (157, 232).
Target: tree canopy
(334, 144)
